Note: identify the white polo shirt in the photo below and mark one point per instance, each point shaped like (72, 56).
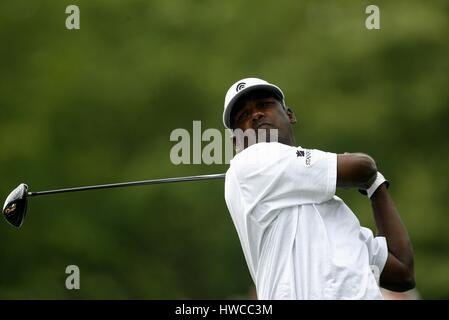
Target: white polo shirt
(300, 241)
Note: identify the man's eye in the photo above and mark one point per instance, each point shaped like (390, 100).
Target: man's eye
(243, 116)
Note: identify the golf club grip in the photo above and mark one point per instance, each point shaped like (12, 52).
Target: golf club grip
(130, 184)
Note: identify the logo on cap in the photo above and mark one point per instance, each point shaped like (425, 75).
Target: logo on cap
(240, 86)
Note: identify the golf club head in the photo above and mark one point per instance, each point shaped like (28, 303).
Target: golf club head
(15, 206)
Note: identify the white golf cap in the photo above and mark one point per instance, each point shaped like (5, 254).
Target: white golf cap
(244, 86)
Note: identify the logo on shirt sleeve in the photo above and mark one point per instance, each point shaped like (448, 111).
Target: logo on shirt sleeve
(308, 158)
(307, 154)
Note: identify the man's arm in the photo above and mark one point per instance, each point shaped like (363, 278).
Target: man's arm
(360, 171)
(355, 170)
(398, 274)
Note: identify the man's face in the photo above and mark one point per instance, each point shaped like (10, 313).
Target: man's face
(263, 112)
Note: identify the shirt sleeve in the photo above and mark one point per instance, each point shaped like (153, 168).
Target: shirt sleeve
(274, 176)
(377, 248)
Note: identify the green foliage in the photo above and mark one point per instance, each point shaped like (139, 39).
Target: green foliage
(97, 105)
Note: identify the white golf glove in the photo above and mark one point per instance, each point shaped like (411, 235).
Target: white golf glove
(376, 184)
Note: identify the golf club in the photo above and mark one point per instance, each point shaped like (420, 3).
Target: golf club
(15, 206)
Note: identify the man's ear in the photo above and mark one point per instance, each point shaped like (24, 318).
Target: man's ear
(291, 115)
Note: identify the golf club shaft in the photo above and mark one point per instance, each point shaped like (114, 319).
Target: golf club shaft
(129, 184)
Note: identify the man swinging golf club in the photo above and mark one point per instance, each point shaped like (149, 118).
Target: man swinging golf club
(300, 241)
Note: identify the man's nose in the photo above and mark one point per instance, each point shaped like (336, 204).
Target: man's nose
(257, 115)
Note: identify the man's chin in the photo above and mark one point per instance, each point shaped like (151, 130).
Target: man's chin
(265, 126)
(267, 133)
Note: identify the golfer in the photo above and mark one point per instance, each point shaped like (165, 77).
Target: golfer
(299, 239)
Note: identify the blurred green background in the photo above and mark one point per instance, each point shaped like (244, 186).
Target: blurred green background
(97, 105)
